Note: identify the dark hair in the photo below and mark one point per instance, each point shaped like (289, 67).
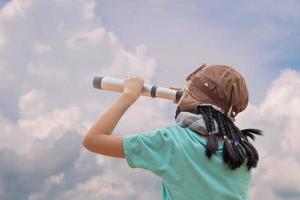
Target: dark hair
(236, 147)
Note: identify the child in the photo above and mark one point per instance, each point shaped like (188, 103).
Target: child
(203, 155)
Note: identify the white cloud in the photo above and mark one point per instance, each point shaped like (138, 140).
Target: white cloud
(48, 65)
(89, 37)
(51, 67)
(32, 103)
(5, 76)
(15, 9)
(110, 188)
(47, 73)
(89, 10)
(277, 174)
(2, 41)
(57, 179)
(42, 48)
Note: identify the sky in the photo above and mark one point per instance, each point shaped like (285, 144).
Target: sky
(51, 50)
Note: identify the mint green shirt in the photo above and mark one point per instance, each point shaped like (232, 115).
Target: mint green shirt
(177, 155)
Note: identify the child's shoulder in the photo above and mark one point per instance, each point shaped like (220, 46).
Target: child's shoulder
(179, 132)
(175, 130)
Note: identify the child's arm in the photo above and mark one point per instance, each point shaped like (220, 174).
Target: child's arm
(99, 138)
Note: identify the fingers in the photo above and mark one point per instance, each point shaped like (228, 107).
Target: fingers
(175, 88)
(137, 78)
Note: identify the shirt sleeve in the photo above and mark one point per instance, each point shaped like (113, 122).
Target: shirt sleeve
(151, 150)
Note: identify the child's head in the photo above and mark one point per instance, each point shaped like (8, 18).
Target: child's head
(219, 93)
(218, 85)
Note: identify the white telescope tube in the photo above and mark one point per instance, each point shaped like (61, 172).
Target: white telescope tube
(117, 85)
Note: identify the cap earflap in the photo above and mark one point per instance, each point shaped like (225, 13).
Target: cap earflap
(229, 114)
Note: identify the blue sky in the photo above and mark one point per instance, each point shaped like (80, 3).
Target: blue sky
(51, 50)
(3, 2)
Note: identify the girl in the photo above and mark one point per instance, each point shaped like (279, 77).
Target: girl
(203, 155)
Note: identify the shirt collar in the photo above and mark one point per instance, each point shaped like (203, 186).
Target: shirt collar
(194, 122)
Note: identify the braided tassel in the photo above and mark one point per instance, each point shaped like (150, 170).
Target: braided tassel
(212, 145)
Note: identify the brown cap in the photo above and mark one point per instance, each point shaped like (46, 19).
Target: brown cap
(218, 85)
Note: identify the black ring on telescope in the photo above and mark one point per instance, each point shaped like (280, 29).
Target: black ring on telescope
(153, 91)
(97, 82)
(178, 96)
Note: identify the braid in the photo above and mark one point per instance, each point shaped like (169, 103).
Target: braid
(229, 154)
(202, 111)
(249, 148)
(177, 112)
(236, 147)
(211, 118)
(220, 123)
(212, 143)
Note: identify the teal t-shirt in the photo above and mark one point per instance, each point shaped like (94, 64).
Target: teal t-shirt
(177, 155)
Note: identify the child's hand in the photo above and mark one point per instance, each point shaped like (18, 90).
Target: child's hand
(133, 87)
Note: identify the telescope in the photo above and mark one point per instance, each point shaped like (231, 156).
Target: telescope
(117, 85)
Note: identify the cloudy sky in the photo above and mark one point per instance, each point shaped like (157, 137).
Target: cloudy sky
(51, 50)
